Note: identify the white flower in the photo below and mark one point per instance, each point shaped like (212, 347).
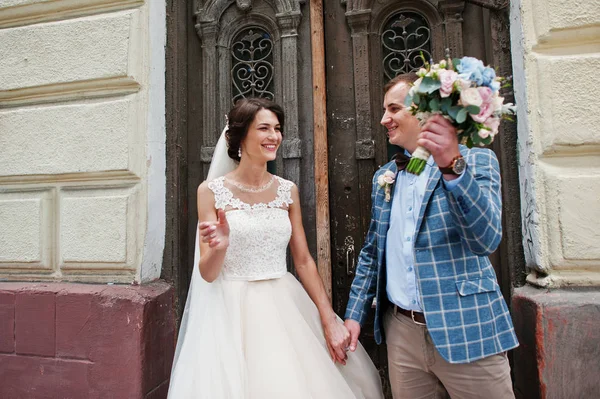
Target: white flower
(509, 108)
(497, 103)
(483, 133)
(471, 96)
(462, 84)
(386, 180)
(422, 72)
(389, 176)
(443, 64)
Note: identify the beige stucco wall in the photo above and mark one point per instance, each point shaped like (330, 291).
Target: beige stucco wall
(556, 59)
(82, 140)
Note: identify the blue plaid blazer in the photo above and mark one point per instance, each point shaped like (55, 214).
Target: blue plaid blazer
(466, 314)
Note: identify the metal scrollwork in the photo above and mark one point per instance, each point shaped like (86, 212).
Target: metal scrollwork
(252, 59)
(405, 37)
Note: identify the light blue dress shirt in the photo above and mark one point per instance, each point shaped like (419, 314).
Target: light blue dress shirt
(409, 190)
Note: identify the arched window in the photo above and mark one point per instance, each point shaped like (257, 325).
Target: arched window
(252, 64)
(406, 35)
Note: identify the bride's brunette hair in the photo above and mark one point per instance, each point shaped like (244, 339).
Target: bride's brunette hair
(241, 117)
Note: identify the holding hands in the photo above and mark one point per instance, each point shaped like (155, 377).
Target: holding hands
(337, 338)
(215, 233)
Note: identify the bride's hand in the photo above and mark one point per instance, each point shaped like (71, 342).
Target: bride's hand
(337, 338)
(216, 234)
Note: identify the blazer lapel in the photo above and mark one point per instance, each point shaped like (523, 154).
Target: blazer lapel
(386, 208)
(432, 183)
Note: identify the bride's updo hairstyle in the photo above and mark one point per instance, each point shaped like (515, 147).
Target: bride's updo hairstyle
(241, 117)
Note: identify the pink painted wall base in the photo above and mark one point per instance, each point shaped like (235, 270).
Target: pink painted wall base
(77, 341)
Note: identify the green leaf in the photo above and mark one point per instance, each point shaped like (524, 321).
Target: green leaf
(434, 105)
(408, 100)
(461, 116)
(456, 62)
(416, 99)
(469, 143)
(429, 85)
(453, 111)
(446, 104)
(473, 109)
(423, 105)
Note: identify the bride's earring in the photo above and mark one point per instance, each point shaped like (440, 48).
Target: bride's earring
(240, 152)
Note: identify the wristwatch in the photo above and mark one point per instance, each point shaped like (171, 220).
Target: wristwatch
(456, 167)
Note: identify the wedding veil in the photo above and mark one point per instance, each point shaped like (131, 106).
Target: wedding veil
(206, 313)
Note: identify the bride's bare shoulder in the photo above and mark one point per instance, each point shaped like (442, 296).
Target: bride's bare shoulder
(205, 189)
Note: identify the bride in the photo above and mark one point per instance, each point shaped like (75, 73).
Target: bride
(249, 329)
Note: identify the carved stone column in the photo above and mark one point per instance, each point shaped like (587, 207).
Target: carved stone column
(210, 133)
(291, 146)
(452, 12)
(359, 22)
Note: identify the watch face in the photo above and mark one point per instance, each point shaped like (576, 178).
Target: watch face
(459, 166)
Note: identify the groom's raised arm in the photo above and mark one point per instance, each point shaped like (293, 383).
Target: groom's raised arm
(476, 203)
(364, 285)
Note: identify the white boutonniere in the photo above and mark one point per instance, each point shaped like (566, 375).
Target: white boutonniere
(386, 180)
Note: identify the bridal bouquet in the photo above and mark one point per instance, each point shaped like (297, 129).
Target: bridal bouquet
(467, 93)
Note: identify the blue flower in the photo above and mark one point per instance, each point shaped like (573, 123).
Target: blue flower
(469, 64)
(488, 75)
(471, 69)
(495, 86)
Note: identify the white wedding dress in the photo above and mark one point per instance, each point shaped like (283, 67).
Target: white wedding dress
(254, 333)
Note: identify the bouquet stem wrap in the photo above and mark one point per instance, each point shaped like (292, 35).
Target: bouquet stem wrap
(417, 162)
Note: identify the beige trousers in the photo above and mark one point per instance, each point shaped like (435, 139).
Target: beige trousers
(417, 371)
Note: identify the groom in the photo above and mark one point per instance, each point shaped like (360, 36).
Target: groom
(425, 260)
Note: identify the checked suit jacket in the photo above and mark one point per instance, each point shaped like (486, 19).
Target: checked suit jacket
(467, 317)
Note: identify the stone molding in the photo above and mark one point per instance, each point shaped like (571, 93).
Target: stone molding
(63, 92)
(34, 13)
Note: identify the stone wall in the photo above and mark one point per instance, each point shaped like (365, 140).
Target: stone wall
(556, 59)
(556, 53)
(82, 170)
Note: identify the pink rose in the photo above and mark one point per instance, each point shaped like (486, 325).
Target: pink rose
(485, 111)
(487, 95)
(447, 78)
(493, 124)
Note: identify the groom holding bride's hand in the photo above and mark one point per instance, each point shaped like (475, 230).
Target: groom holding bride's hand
(425, 260)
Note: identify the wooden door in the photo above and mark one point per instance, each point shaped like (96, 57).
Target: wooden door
(367, 43)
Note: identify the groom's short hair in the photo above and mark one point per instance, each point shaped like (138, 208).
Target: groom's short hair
(410, 77)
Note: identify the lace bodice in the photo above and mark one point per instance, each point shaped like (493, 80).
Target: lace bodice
(259, 233)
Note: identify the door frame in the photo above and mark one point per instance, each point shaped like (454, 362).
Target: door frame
(179, 63)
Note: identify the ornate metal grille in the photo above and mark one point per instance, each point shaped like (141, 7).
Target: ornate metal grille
(405, 36)
(252, 60)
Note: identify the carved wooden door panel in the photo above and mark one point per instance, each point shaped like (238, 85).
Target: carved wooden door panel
(225, 49)
(367, 43)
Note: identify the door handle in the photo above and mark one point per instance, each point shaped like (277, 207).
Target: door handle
(350, 260)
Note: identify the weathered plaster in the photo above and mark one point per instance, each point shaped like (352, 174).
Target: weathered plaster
(155, 147)
(82, 102)
(556, 55)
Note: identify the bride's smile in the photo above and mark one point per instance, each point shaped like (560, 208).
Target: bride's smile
(263, 138)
